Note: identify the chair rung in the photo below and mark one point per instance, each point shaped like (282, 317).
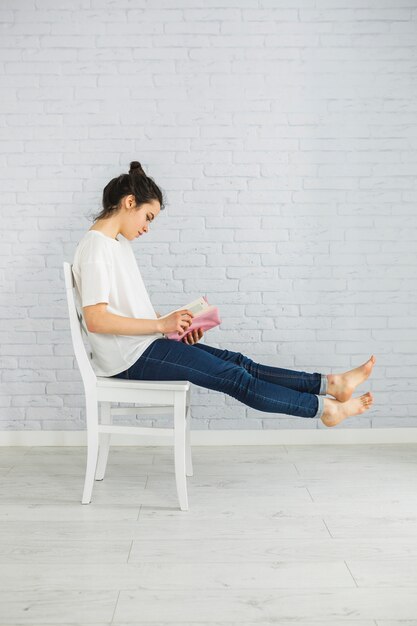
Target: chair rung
(143, 410)
(133, 430)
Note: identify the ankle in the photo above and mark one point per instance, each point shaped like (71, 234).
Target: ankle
(333, 381)
(328, 411)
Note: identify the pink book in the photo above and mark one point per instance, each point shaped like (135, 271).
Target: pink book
(206, 316)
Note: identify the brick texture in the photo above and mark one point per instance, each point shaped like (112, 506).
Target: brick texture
(284, 135)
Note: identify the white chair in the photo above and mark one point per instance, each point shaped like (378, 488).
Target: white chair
(157, 396)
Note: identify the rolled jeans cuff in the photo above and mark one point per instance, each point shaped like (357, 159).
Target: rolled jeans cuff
(323, 385)
(320, 408)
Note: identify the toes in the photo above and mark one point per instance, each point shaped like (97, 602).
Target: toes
(367, 399)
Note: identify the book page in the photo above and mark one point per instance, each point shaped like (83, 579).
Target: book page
(196, 306)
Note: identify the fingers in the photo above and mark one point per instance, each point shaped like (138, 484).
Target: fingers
(187, 312)
(190, 338)
(193, 336)
(186, 323)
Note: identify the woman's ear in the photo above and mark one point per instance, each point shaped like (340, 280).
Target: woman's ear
(129, 202)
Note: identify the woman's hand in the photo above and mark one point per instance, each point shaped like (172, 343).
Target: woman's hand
(193, 336)
(177, 322)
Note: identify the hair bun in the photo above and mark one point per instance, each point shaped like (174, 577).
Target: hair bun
(135, 167)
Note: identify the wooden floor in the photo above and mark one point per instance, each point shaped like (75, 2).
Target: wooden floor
(274, 535)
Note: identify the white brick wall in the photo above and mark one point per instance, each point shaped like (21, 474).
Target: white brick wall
(284, 134)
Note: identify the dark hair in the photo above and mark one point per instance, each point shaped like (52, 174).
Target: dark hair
(136, 183)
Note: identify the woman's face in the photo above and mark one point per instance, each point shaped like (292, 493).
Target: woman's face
(136, 220)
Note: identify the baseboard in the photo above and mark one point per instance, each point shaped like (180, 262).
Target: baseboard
(221, 437)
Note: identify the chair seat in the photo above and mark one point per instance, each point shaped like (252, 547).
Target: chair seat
(124, 383)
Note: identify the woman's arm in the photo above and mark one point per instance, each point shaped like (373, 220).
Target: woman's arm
(108, 323)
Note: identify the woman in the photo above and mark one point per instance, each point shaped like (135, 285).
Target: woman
(127, 335)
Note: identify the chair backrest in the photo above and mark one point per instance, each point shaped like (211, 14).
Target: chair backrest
(77, 327)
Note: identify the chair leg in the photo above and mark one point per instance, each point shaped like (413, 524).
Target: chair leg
(92, 449)
(188, 457)
(104, 442)
(179, 448)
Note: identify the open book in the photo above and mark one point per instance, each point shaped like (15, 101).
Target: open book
(206, 316)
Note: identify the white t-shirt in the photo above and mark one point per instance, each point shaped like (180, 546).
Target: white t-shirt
(105, 270)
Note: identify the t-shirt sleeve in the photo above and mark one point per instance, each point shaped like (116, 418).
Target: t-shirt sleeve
(95, 283)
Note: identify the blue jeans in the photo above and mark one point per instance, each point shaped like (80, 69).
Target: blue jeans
(262, 387)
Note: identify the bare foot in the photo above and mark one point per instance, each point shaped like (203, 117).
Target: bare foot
(342, 386)
(335, 411)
